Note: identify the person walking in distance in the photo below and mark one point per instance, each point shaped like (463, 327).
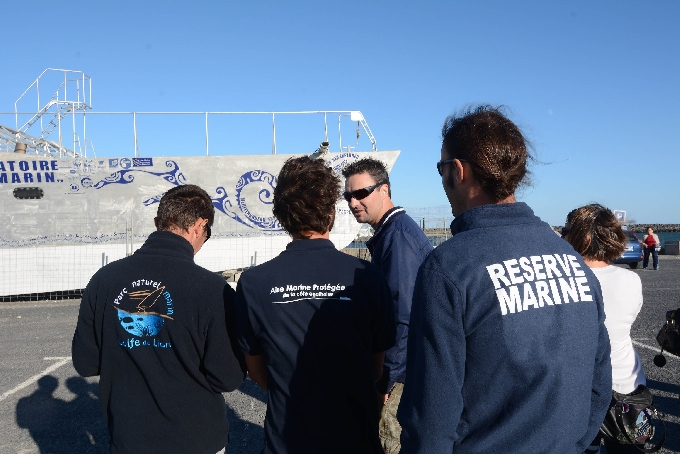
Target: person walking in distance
(398, 247)
(651, 242)
(507, 350)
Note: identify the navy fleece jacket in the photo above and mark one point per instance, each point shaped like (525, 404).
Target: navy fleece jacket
(398, 247)
(508, 351)
(160, 332)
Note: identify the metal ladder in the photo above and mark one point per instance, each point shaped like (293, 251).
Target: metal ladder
(59, 106)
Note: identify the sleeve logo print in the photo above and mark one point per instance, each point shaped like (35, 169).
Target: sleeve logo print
(142, 312)
(537, 281)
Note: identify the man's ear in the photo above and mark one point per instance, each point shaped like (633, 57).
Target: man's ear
(197, 228)
(155, 222)
(459, 172)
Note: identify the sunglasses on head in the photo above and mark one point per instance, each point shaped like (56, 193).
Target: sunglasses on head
(441, 163)
(361, 193)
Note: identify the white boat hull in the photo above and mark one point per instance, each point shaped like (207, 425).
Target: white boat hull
(94, 211)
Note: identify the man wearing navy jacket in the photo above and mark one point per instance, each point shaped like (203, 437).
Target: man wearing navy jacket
(398, 247)
(507, 350)
(159, 331)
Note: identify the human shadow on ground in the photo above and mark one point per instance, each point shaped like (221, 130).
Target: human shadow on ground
(663, 386)
(78, 426)
(246, 437)
(669, 406)
(666, 404)
(57, 425)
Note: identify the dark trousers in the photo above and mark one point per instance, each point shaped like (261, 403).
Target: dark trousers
(655, 256)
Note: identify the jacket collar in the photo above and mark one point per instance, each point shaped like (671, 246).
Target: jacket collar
(317, 244)
(167, 243)
(387, 218)
(493, 215)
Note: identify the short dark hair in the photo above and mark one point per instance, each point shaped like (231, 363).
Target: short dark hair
(181, 207)
(305, 196)
(376, 169)
(493, 145)
(594, 232)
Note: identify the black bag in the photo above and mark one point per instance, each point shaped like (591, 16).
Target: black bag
(669, 337)
(629, 419)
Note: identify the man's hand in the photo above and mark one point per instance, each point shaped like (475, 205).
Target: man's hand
(257, 369)
(382, 398)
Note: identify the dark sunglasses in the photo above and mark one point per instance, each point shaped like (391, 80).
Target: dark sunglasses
(208, 232)
(361, 193)
(446, 161)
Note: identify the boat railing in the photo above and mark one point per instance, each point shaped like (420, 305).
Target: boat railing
(77, 127)
(70, 105)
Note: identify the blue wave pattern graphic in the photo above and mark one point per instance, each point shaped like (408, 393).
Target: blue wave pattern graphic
(126, 176)
(222, 202)
(235, 207)
(265, 196)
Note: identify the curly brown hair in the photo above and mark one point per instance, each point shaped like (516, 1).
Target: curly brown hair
(594, 233)
(182, 205)
(493, 145)
(305, 196)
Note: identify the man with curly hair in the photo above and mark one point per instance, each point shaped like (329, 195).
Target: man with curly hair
(314, 324)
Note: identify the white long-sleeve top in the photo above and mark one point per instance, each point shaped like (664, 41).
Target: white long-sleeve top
(622, 295)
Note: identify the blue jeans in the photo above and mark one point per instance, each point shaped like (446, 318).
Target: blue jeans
(655, 256)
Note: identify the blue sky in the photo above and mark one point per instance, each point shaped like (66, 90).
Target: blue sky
(594, 85)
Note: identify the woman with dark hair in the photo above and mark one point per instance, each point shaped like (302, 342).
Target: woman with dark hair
(595, 233)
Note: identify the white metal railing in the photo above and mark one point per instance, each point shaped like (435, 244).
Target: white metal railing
(58, 150)
(63, 102)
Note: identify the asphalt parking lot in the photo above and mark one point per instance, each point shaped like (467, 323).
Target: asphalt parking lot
(46, 407)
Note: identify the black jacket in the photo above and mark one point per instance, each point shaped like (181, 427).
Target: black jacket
(318, 316)
(157, 329)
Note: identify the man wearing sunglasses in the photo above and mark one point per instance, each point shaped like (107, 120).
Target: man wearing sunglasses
(508, 351)
(159, 331)
(398, 247)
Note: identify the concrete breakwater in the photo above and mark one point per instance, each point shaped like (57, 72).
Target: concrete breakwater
(658, 228)
(669, 236)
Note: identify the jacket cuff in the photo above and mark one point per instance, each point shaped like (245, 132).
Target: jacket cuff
(384, 385)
